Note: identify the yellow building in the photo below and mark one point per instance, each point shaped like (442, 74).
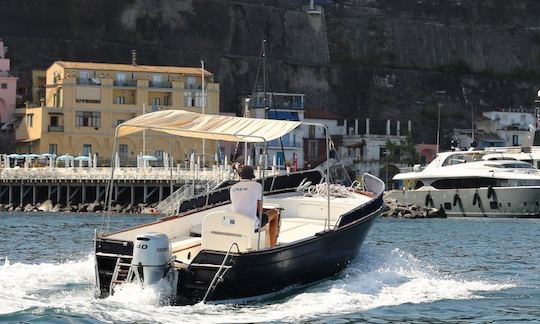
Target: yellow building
(84, 102)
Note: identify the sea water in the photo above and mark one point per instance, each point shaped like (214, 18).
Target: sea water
(423, 271)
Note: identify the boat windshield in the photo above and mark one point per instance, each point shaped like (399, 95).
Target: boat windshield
(512, 165)
(459, 158)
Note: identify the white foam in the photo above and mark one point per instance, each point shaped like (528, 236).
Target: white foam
(372, 281)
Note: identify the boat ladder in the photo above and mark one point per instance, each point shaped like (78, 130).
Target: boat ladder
(121, 271)
(218, 277)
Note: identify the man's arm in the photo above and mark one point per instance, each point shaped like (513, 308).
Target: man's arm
(259, 207)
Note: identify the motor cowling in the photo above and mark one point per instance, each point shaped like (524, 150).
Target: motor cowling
(152, 257)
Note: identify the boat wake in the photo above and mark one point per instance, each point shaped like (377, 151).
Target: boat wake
(374, 280)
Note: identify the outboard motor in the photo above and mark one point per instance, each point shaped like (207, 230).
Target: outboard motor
(152, 257)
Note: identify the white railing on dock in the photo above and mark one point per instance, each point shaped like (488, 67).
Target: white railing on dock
(215, 173)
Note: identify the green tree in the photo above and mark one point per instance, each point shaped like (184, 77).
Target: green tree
(402, 152)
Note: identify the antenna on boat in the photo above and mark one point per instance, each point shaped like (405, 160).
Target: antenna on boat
(246, 115)
(202, 104)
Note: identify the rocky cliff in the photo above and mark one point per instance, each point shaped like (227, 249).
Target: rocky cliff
(381, 59)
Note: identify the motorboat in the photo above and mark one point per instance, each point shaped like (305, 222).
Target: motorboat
(207, 253)
(473, 183)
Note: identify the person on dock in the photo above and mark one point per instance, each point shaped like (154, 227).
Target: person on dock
(246, 198)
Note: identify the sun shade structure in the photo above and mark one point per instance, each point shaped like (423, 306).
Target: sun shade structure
(214, 127)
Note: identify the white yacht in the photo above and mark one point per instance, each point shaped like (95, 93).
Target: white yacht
(473, 184)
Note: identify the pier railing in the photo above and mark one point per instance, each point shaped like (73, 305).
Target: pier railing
(215, 173)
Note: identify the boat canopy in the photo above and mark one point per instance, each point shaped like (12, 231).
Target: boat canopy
(215, 127)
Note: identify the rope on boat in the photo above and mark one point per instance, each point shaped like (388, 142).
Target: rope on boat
(334, 190)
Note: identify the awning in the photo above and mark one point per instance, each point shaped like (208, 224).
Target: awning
(28, 140)
(216, 127)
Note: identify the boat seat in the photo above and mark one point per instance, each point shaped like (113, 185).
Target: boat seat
(223, 228)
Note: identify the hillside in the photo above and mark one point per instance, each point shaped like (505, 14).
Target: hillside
(381, 59)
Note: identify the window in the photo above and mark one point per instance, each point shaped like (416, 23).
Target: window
(167, 100)
(190, 83)
(123, 152)
(121, 78)
(194, 99)
(156, 80)
(515, 140)
(54, 121)
(57, 98)
(87, 119)
(86, 149)
(84, 77)
(30, 120)
(156, 101)
(53, 148)
(313, 150)
(189, 99)
(4, 85)
(120, 100)
(159, 154)
(311, 131)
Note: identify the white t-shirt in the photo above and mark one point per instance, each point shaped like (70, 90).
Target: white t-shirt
(244, 197)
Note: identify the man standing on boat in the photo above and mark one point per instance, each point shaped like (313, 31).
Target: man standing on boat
(246, 196)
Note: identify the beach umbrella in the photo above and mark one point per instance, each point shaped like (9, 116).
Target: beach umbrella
(149, 158)
(47, 156)
(66, 158)
(16, 156)
(81, 159)
(31, 156)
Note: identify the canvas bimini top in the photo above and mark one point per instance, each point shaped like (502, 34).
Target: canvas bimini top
(214, 127)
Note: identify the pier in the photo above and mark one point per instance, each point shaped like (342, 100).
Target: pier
(84, 185)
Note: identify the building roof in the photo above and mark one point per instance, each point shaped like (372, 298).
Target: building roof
(319, 114)
(131, 68)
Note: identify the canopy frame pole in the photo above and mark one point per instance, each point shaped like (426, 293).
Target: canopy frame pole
(327, 139)
(262, 196)
(170, 157)
(110, 185)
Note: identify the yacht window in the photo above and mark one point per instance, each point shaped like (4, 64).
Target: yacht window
(458, 183)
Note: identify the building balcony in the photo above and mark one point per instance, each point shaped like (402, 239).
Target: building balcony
(158, 108)
(125, 83)
(55, 129)
(89, 81)
(160, 84)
